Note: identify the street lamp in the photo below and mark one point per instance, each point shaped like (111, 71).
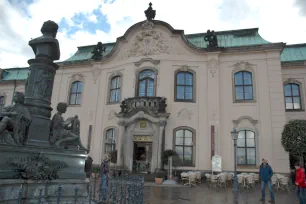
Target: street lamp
(234, 135)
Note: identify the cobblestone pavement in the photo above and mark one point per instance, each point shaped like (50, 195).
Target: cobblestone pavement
(204, 195)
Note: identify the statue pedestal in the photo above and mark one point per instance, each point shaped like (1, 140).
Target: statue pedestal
(69, 178)
(75, 160)
(29, 191)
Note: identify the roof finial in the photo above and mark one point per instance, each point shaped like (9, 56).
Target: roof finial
(150, 13)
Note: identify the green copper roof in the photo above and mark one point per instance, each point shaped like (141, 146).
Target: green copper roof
(294, 53)
(84, 52)
(233, 38)
(15, 74)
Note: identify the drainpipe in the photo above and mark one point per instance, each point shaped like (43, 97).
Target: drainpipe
(15, 85)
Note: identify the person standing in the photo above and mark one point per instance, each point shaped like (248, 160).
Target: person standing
(104, 170)
(266, 174)
(300, 183)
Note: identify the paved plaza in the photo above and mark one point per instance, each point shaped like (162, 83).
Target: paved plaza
(202, 194)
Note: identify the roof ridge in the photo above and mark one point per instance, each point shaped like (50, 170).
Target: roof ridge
(226, 31)
(110, 43)
(296, 45)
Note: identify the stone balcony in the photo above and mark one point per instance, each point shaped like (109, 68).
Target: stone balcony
(150, 105)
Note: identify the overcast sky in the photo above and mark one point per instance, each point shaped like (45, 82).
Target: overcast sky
(85, 22)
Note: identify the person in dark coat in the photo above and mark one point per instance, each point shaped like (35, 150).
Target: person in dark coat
(88, 166)
(266, 174)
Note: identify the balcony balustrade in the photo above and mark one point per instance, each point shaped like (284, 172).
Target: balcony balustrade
(151, 105)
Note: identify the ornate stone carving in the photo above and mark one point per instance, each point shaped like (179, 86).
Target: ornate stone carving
(242, 66)
(184, 114)
(252, 121)
(36, 167)
(65, 133)
(15, 121)
(43, 84)
(155, 62)
(148, 42)
(95, 74)
(151, 105)
(212, 65)
(111, 114)
(291, 80)
(147, 25)
(77, 77)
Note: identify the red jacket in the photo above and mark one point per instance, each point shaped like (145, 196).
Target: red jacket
(300, 178)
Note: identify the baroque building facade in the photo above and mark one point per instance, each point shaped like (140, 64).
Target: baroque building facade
(156, 88)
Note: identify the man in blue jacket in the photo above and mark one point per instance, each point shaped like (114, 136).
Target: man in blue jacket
(266, 173)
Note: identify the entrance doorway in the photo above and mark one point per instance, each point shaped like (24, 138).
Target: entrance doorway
(142, 157)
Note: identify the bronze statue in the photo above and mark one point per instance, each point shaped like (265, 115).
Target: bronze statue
(15, 120)
(211, 38)
(65, 133)
(98, 52)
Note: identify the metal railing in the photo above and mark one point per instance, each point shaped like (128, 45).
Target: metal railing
(101, 190)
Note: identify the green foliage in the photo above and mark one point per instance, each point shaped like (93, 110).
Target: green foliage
(294, 137)
(168, 153)
(96, 170)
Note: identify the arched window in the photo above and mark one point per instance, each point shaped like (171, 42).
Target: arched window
(146, 83)
(184, 86)
(76, 93)
(246, 148)
(115, 85)
(243, 86)
(292, 96)
(184, 145)
(110, 141)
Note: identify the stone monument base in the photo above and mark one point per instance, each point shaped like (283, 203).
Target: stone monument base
(73, 159)
(28, 191)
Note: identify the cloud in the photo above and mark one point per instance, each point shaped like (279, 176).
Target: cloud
(93, 18)
(302, 6)
(87, 22)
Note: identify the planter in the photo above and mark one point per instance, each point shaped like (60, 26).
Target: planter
(158, 180)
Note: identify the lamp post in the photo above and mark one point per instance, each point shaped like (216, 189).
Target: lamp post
(234, 135)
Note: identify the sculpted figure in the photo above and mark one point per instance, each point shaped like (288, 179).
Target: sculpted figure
(65, 133)
(211, 38)
(15, 120)
(98, 51)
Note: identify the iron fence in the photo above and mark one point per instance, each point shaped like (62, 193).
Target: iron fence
(101, 190)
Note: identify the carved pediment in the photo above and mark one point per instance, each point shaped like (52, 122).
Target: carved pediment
(148, 42)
